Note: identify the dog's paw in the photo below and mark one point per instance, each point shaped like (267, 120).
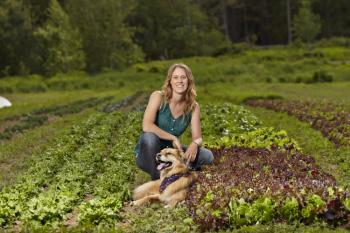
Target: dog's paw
(170, 205)
(135, 203)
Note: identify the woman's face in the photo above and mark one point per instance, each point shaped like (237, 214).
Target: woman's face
(179, 81)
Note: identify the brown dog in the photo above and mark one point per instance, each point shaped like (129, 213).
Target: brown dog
(172, 187)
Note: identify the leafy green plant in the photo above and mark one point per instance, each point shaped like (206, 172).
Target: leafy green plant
(247, 186)
(242, 213)
(314, 206)
(230, 125)
(290, 210)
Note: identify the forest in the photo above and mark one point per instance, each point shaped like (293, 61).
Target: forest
(58, 36)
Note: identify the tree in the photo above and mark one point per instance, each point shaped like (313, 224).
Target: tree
(15, 38)
(289, 22)
(169, 29)
(107, 41)
(260, 21)
(335, 17)
(224, 5)
(220, 10)
(307, 25)
(62, 42)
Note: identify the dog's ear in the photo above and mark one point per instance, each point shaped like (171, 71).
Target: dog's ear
(182, 154)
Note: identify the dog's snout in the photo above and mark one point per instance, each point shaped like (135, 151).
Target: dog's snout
(158, 156)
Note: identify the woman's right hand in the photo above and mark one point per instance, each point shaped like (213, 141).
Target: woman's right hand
(177, 144)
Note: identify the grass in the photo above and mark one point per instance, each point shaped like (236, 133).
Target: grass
(275, 65)
(236, 93)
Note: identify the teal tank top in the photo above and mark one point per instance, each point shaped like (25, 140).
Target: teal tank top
(166, 121)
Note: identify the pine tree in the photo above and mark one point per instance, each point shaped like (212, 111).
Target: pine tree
(307, 25)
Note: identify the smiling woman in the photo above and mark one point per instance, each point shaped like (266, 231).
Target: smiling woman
(168, 114)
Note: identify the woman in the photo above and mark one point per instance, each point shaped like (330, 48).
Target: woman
(166, 117)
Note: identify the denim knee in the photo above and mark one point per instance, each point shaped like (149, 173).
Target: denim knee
(205, 156)
(149, 139)
(210, 157)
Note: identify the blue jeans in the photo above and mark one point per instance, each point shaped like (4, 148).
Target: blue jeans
(150, 145)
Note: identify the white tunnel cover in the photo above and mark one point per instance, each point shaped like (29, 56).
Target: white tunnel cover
(4, 102)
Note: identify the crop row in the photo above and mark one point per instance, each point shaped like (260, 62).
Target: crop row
(110, 107)
(227, 125)
(84, 177)
(255, 186)
(259, 175)
(333, 120)
(112, 186)
(47, 196)
(39, 117)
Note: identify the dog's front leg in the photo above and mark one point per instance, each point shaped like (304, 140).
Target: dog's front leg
(146, 199)
(176, 198)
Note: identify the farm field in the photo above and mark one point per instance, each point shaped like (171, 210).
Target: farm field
(277, 121)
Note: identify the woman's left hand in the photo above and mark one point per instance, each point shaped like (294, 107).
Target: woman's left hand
(191, 152)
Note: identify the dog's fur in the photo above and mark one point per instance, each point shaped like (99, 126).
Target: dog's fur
(174, 192)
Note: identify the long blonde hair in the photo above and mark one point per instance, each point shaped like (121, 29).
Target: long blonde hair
(190, 95)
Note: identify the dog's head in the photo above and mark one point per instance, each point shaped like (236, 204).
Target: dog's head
(168, 159)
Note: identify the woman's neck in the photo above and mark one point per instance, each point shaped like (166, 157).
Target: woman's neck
(176, 98)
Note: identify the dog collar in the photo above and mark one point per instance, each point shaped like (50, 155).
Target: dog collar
(168, 180)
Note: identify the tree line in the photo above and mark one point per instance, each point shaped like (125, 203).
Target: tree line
(57, 36)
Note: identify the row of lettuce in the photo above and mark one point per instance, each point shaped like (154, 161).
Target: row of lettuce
(37, 117)
(331, 119)
(83, 178)
(260, 175)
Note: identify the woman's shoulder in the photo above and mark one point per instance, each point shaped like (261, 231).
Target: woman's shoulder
(156, 98)
(157, 93)
(195, 109)
(195, 106)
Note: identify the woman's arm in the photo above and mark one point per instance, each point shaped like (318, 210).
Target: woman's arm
(196, 130)
(149, 118)
(196, 134)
